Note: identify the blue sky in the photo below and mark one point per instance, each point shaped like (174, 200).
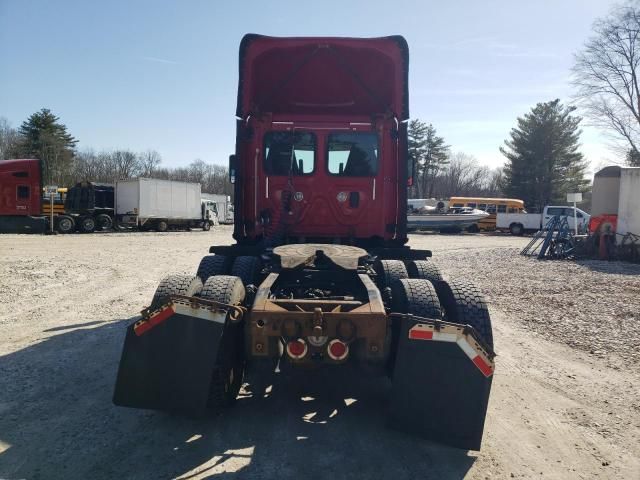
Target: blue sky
(163, 74)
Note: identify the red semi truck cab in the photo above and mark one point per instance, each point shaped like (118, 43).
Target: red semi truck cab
(20, 187)
(321, 145)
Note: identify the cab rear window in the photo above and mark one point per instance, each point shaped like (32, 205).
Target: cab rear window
(353, 154)
(289, 153)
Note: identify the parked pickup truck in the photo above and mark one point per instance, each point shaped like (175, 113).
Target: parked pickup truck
(519, 223)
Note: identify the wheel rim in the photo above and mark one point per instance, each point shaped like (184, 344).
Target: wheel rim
(65, 224)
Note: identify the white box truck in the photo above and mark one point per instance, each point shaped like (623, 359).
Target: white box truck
(148, 203)
(519, 223)
(223, 206)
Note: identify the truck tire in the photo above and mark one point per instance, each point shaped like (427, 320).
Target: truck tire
(424, 269)
(176, 284)
(162, 226)
(516, 229)
(388, 271)
(415, 296)
(104, 222)
(464, 303)
(87, 225)
(227, 289)
(248, 269)
(65, 224)
(213, 265)
(230, 364)
(206, 226)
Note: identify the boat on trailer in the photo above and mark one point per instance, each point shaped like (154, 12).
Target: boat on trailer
(453, 219)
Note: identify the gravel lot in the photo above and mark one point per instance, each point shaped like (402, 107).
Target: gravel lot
(565, 401)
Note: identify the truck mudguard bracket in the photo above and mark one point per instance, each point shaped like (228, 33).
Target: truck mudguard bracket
(441, 382)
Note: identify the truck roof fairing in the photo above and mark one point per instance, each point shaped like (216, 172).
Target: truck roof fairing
(323, 76)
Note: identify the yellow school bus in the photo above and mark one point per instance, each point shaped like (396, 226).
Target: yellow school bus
(492, 206)
(58, 201)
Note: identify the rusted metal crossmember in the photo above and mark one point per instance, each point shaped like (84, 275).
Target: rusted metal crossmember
(189, 306)
(351, 321)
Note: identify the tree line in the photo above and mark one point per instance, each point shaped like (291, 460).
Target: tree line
(441, 174)
(43, 136)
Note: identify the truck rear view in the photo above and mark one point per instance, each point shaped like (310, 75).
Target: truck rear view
(320, 275)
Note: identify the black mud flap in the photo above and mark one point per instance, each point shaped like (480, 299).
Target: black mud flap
(441, 384)
(168, 363)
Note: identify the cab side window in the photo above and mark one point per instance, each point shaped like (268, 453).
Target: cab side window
(555, 211)
(22, 192)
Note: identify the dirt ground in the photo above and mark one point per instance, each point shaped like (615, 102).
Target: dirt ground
(565, 401)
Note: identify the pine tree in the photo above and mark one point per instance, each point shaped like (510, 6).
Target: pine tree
(43, 136)
(544, 163)
(430, 154)
(633, 158)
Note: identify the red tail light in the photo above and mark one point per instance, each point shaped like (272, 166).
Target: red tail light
(297, 348)
(337, 350)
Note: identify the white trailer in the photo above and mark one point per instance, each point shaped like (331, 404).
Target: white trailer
(519, 223)
(629, 202)
(149, 203)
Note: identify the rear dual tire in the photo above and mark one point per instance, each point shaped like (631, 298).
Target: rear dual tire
(230, 365)
(456, 302)
(211, 265)
(424, 269)
(177, 284)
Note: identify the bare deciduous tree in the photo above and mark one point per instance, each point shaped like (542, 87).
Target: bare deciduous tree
(148, 163)
(605, 76)
(8, 139)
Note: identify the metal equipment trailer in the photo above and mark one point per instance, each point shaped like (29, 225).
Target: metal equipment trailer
(320, 275)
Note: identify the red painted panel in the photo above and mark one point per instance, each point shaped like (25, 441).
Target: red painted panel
(20, 187)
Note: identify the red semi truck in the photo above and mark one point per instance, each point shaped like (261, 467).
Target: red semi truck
(21, 197)
(25, 209)
(320, 275)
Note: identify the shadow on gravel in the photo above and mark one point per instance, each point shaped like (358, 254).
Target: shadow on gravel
(57, 422)
(612, 267)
